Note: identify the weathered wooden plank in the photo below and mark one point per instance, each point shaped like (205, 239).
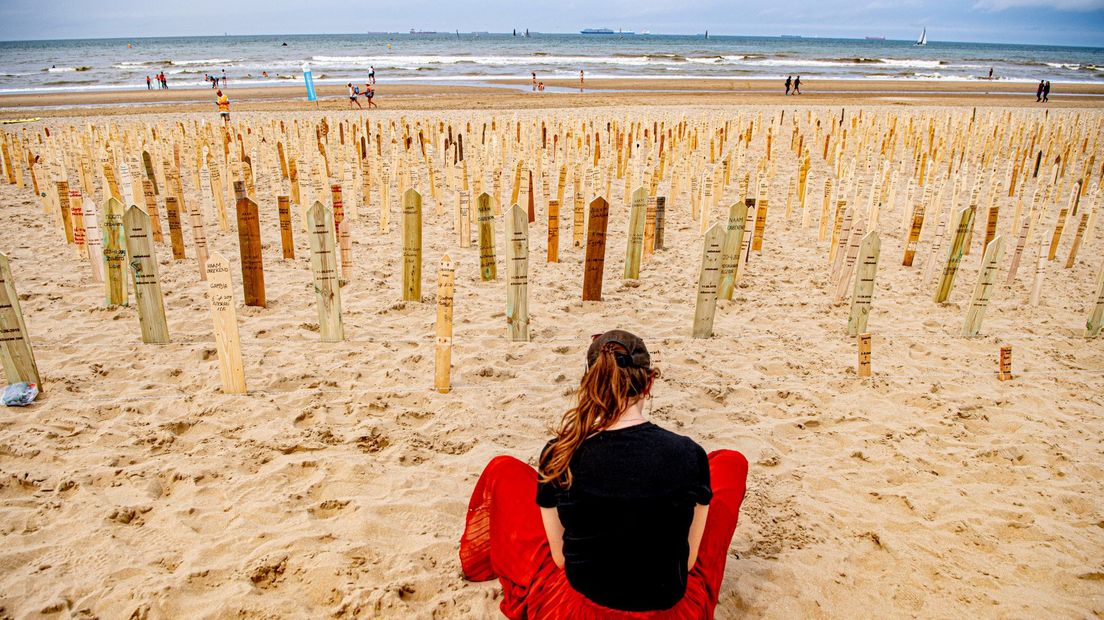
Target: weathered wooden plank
(16, 354)
(220, 293)
(442, 366)
(635, 234)
(660, 221)
(143, 270)
(249, 243)
(488, 271)
(517, 274)
(595, 259)
(990, 262)
(708, 279)
(287, 239)
(863, 292)
(553, 255)
(327, 288)
(172, 208)
(114, 252)
(1096, 315)
(94, 237)
(732, 250)
(412, 245)
(864, 355)
(962, 221)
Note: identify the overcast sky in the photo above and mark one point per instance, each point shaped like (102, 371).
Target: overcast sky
(1069, 22)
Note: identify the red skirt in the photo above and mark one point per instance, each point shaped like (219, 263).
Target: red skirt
(505, 538)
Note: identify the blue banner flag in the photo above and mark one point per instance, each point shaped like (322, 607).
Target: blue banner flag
(308, 80)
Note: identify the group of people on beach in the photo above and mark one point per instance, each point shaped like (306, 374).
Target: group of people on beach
(1042, 94)
(368, 94)
(538, 85)
(162, 83)
(214, 79)
(794, 85)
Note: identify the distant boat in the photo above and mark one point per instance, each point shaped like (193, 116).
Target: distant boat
(923, 40)
(526, 32)
(875, 38)
(412, 31)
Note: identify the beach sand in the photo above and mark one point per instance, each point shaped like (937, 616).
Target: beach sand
(338, 485)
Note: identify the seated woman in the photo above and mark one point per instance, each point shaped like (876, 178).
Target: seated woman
(624, 519)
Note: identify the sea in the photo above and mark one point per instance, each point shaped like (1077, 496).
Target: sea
(480, 57)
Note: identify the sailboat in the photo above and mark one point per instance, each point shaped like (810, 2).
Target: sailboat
(923, 40)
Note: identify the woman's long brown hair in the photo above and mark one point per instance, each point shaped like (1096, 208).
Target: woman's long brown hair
(605, 392)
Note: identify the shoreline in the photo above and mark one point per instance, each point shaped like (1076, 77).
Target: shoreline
(513, 93)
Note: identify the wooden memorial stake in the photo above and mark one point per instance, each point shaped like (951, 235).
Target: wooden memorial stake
(708, 280)
(446, 282)
(412, 245)
(914, 233)
(595, 259)
(1057, 236)
(864, 355)
(635, 247)
(15, 343)
(143, 269)
(650, 226)
(220, 292)
(1096, 316)
(114, 252)
(76, 215)
(199, 237)
(553, 231)
(150, 199)
(94, 237)
(287, 241)
(962, 223)
(66, 213)
(463, 218)
(863, 291)
(731, 253)
(1081, 225)
(660, 220)
(1004, 369)
(172, 207)
(249, 240)
(327, 289)
(488, 272)
(517, 274)
(990, 262)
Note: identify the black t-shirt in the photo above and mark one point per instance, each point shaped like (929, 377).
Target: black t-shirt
(627, 515)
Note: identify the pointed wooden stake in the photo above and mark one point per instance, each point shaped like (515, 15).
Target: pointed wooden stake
(446, 278)
(553, 231)
(143, 269)
(635, 247)
(1004, 368)
(962, 223)
(114, 252)
(863, 291)
(15, 343)
(287, 241)
(990, 262)
(220, 293)
(595, 259)
(708, 280)
(327, 289)
(249, 240)
(517, 274)
(864, 355)
(1096, 316)
(488, 271)
(731, 252)
(412, 245)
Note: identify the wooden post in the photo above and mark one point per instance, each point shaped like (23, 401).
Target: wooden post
(1004, 369)
(412, 245)
(731, 253)
(635, 234)
(463, 218)
(94, 237)
(553, 231)
(988, 275)
(345, 244)
(1057, 236)
(708, 280)
(249, 241)
(863, 291)
(1096, 316)
(220, 292)
(63, 205)
(1040, 272)
(962, 222)
(660, 220)
(517, 274)
(114, 252)
(595, 259)
(327, 289)
(143, 269)
(199, 237)
(172, 207)
(488, 272)
(15, 343)
(446, 277)
(864, 355)
(914, 233)
(650, 226)
(1078, 236)
(287, 242)
(151, 209)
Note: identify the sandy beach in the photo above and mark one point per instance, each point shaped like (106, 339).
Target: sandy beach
(337, 486)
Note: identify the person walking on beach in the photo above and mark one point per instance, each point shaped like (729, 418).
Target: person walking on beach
(149, 84)
(1039, 91)
(797, 86)
(789, 82)
(224, 78)
(628, 516)
(580, 80)
(1046, 92)
(534, 74)
(223, 106)
(990, 73)
(372, 74)
(354, 96)
(369, 92)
